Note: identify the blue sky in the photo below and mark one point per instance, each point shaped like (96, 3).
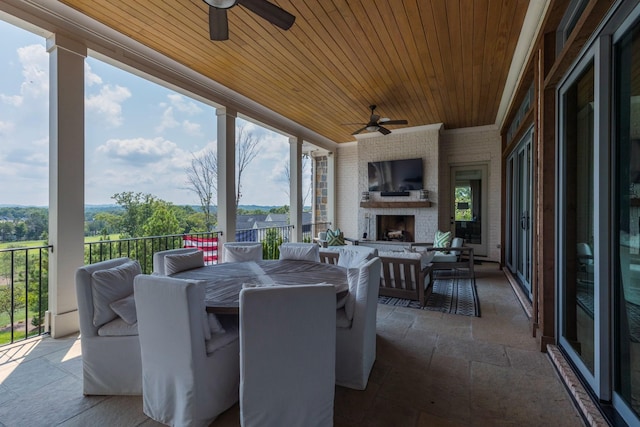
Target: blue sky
(139, 136)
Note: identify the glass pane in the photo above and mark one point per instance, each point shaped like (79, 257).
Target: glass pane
(627, 291)
(467, 209)
(578, 327)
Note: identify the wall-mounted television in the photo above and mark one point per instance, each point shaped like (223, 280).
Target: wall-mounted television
(396, 175)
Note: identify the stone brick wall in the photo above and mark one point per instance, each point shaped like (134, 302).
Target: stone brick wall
(351, 168)
(320, 189)
(440, 150)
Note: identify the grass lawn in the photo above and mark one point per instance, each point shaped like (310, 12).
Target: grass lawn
(34, 243)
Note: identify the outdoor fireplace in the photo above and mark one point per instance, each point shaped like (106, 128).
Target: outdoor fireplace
(396, 228)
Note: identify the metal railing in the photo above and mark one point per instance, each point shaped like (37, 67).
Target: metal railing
(24, 296)
(140, 248)
(24, 275)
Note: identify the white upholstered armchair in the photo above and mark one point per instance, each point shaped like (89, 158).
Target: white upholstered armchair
(287, 355)
(356, 327)
(110, 346)
(190, 371)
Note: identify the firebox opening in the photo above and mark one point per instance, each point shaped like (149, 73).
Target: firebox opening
(395, 228)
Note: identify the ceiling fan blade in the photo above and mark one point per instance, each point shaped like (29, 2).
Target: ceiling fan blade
(383, 130)
(394, 122)
(358, 131)
(269, 11)
(218, 24)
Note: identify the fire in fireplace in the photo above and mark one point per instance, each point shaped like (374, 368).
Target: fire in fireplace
(396, 228)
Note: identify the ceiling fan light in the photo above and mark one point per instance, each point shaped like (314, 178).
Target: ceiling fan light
(221, 4)
(372, 128)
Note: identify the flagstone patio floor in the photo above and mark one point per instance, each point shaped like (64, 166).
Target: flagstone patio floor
(432, 369)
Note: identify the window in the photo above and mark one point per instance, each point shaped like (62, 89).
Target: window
(627, 284)
(577, 235)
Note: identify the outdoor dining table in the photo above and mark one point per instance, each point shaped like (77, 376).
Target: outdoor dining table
(223, 282)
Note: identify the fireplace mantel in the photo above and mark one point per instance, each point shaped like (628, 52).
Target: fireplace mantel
(410, 204)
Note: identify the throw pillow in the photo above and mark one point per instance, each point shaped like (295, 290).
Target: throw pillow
(442, 239)
(111, 285)
(335, 238)
(126, 309)
(176, 263)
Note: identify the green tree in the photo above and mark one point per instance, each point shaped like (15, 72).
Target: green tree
(37, 223)
(6, 230)
(6, 300)
(163, 220)
(109, 222)
(280, 210)
(138, 208)
(20, 230)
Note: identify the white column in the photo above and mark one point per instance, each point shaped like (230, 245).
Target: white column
(66, 180)
(226, 176)
(295, 187)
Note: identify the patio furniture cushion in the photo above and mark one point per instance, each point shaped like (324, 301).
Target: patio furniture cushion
(125, 308)
(118, 328)
(300, 251)
(214, 324)
(242, 251)
(355, 256)
(442, 239)
(335, 238)
(226, 335)
(175, 263)
(110, 285)
(424, 256)
(158, 258)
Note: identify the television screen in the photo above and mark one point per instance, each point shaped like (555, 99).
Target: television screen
(396, 175)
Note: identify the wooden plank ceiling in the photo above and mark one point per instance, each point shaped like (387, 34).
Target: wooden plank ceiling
(426, 61)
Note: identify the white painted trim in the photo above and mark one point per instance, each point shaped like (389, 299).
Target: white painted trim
(477, 129)
(523, 52)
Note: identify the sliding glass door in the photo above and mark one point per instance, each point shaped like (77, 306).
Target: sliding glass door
(627, 236)
(519, 212)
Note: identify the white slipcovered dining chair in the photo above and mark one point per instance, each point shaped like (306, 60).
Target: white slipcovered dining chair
(287, 355)
(190, 373)
(159, 262)
(242, 251)
(110, 346)
(356, 326)
(300, 251)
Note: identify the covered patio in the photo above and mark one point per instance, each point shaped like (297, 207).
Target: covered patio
(487, 90)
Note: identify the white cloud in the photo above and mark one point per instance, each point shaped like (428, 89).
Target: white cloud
(192, 128)
(35, 70)
(6, 127)
(34, 61)
(13, 100)
(137, 150)
(168, 121)
(184, 104)
(90, 77)
(108, 103)
(178, 105)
